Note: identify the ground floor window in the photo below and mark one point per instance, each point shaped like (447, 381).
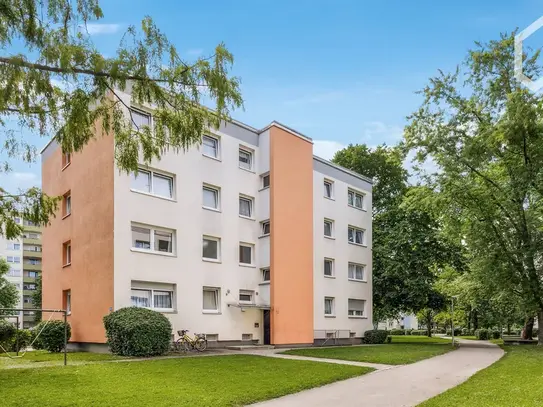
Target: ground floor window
(152, 298)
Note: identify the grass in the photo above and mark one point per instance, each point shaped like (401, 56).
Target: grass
(402, 350)
(200, 381)
(31, 358)
(515, 380)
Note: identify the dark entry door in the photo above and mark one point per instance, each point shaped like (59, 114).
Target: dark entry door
(267, 329)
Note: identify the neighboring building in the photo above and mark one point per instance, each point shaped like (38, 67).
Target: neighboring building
(249, 238)
(24, 257)
(404, 322)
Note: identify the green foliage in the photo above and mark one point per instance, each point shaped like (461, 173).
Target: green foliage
(52, 335)
(457, 332)
(36, 340)
(397, 332)
(25, 338)
(36, 298)
(375, 336)
(9, 295)
(495, 334)
(419, 332)
(482, 334)
(62, 85)
(467, 332)
(7, 332)
(138, 332)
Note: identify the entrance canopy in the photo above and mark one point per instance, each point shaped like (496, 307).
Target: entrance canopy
(243, 305)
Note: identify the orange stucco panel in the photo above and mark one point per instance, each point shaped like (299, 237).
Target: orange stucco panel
(291, 220)
(89, 228)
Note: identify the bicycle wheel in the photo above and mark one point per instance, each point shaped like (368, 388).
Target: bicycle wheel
(200, 344)
(181, 345)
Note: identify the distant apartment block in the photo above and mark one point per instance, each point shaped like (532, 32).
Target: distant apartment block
(246, 238)
(24, 256)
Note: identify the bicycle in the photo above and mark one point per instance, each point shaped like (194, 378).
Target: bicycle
(185, 343)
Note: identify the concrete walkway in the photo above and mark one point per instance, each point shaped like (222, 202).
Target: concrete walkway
(399, 386)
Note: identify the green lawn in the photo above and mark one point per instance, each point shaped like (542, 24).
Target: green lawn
(30, 358)
(200, 381)
(402, 350)
(515, 380)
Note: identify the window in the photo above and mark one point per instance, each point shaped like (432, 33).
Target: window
(29, 223)
(265, 275)
(13, 259)
(265, 180)
(328, 189)
(210, 146)
(152, 182)
(67, 301)
(18, 221)
(66, 159)
(13, 246)
(30, 287)
(32, 274)
(151, 239)
(329, 267)
(246, 296)
(14, 273)
(328, 228)
(67, 204)
(31, 248)
(211, 248)
(245, 206)
(246, 253)
(356, 272)
(34, 236)
(140, 119)
(265, 227)
(150, 298)
(356, 235)
(210, 198)
(245, 159)
(34, 262)
(67, 253)
(329, 306)
(356, 307)
(211, 297)
(27, 299)
(355, 199)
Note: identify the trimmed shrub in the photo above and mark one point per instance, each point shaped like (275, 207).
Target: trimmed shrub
(457, 332)
(396, 332)
(52, 336)
(482, 334)
(25, 337)
(419, 332)
(136, 331)
(36, 342)
(7, 332)
(375, 336)
(496, 334)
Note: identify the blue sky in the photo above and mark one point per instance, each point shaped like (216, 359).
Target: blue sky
(341, 72)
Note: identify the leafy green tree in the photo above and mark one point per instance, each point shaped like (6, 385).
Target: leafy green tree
(435, 304)
(484, 133)
(37, 298)
(63, 86)
(9, 296)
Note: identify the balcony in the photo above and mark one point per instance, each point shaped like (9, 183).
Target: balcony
(27, 240)
(31, 253)
(28, 279)
(31, 267)
(29, 318)
(28, 228)
(28, 305)
(28, 292)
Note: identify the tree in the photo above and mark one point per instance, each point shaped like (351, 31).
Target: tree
(435, 304)
(64, 86)
(484, 133)
(9, 296)
(36, 298)
(408, 248)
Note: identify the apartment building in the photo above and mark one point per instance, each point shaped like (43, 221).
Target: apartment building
(24, 256)
(248, 238)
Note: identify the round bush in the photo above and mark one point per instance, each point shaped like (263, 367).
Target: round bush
(397, 332)
(36, 342)
(51, 337)
(482, 334)
(375, 336)
(7, 331)
(138, 332)
(496, 334)
(24, 336)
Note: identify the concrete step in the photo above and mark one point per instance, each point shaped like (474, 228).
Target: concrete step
(250, 347)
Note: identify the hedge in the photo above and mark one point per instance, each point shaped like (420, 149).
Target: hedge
(397, 332)
(25, 338)
(7, 332)
(457, 332)
(51, 337)
(496, 334)
(136, 331)
(419, 332)
(375, 336)
(482, 334)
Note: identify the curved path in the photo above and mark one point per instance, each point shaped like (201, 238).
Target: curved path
(400, 386)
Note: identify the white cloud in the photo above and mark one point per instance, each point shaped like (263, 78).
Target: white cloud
(195, 52)
(19, 180)
(324, 97)
(326, 148)
(99, 29)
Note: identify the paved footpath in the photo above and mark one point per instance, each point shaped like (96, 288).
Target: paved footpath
(400, 386)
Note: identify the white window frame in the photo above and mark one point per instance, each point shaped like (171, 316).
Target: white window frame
(68, 204)
(152, 302)
(217, 293)
(152, 173)
(332, 267)
(332, 307)
(355, 194)
(262, 228)
(252, 247)
(152, 230)
(217, 156)
(250, 293)
(251, 201)
(14, 259)
(332, 228)
(266, 175)
(214, 239)
(352, 313)
(68, 302)
(356, 229)
(251, 158)
(217, 191)
(11, 246)
(142, 113)
(263, 274)
(331, 183)
(67, 247)
(355, 265)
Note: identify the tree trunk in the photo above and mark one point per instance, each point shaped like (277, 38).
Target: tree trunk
(508, 329)
(475, 321)
(429, 325)
(539, 327)
(469, 319)
(528, 330)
